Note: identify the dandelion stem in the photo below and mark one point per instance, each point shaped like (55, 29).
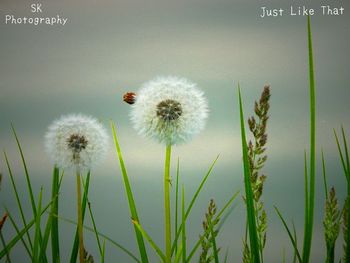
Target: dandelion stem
(80, 218)
(167, 204)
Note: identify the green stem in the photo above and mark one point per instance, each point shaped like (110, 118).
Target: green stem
(80, 219)
(330, 254)
(167, 204)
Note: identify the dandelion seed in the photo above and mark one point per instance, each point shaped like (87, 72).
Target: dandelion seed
(76, 141)
(169, 109)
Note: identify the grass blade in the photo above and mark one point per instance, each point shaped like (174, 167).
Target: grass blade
(29, 185)
(103, 236)
(253, 234)
(176, 200)
(341, 155)
(95, 229)
(8, 259)
(18, 232)
(193, 200)
(183, 224)
(213, 241)
(296, 244)
(14, 241)
(75, 248)
(36, 247)
(150, 240)
(324, 175)
(306, 199)
(132, 205)
(103, 251)
(54, 221)
(18, 200)
(347, 159)
(178, 255)
(308, 238)
(289, 234)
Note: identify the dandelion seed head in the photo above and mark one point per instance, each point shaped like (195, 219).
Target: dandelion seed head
(169, 109)
(76, 140)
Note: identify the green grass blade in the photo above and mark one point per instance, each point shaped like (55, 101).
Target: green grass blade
(296, 244)
(324, 175)
(193, 200)
(36, 248)
(253, 234)
(54, 221)
(221, 212)
(75, 248)
(29, 185)
(308, 239)
(132, 205)
(178, 254)
(18, 232)
(150, 240)
(95, 229)
(213, 242)
(103, 251)
(8, 258)
(289, 234)
(347, 159)
(56, 183)
(341, 155)
(347, 175)
(116, 244)
(14, 241)
(306, 199)
(176, 200)
(183, 223)
(18, 200)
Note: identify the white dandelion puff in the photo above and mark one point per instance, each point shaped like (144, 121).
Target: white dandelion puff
(169, 109)
(76, 141)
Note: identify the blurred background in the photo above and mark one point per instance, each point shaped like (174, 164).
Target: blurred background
(110, 47)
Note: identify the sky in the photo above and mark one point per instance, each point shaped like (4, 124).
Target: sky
(110, 47)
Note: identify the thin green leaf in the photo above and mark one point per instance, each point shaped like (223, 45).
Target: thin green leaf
(8, 259)
(75, 248)
(18, 232)
(183, 223)
(14, 241)
(132, 205)
(306, 199)
(103, 236)
(296, 244)
(341, 155)
(150, 240)
(103, 251)
(289, 234)
(193, 200)
(347, 159)
(253, 234)
(95, 229)
(29, 185)
(213, 242)
(308, 238)
(36, 247)
(54, 221)
(324, 175)
(176, 199)
(178, 254)
(18, 200)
